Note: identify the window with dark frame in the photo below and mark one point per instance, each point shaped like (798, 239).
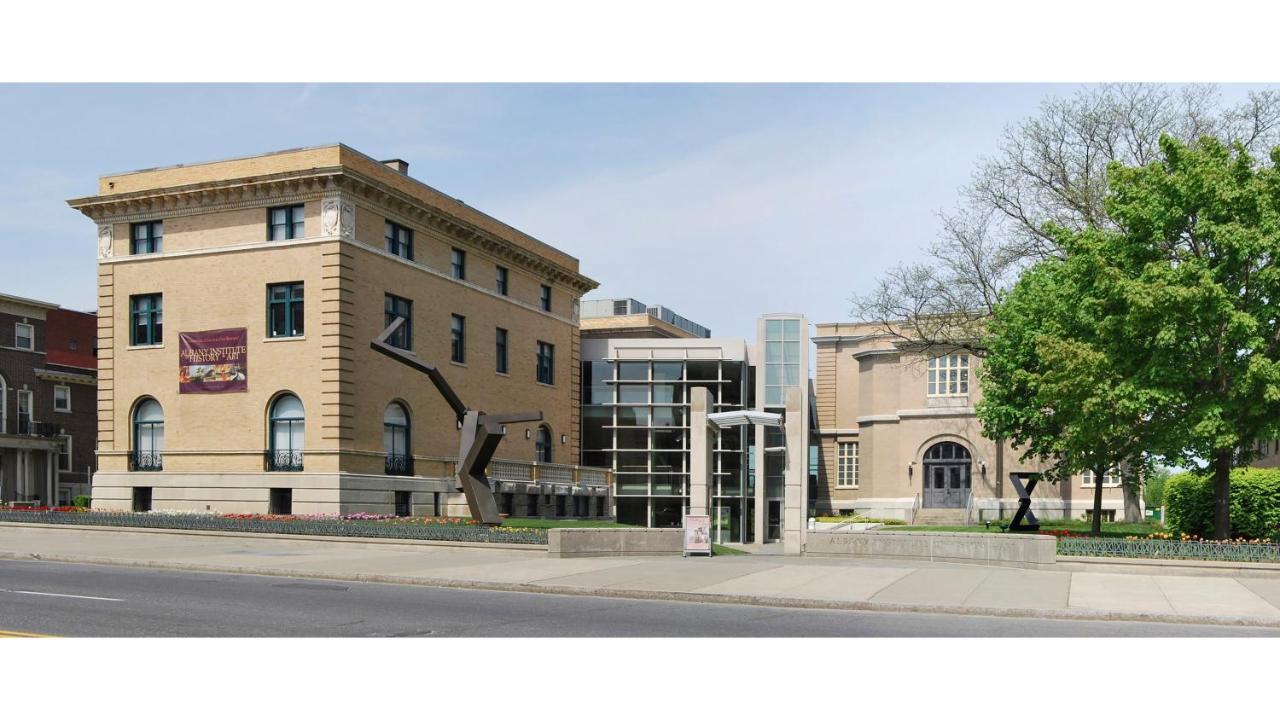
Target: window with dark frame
(458, 263)
(146, 237)
(546, 298)
(62, 398)
(146, 319)
(24, 336)
(546, 363)
(284, 310)
(502, 280)
(399, 240)
(285, 223)
(394, 307)
(458, 339)
(501, 350)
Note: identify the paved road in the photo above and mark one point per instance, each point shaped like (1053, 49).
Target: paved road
(103, 601)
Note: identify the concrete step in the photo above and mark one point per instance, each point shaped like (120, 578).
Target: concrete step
(940, 516)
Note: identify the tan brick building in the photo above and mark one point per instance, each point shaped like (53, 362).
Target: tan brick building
(898, 437)
(302, 257)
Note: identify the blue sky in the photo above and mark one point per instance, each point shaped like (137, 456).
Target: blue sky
(720, 201)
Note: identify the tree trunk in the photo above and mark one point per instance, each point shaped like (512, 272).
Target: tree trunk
(1098, 474)
(1222, 495)
(1132, 499)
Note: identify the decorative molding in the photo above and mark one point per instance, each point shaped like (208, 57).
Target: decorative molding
(106, 241)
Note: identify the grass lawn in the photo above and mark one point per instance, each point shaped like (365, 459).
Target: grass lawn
(560, 523)
(1116, 529)
(722, 550)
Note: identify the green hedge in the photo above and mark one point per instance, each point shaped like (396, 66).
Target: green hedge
(81, 501)
(1255, 504)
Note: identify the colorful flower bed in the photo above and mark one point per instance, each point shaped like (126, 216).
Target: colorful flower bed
(1167, 546)
(351, 525)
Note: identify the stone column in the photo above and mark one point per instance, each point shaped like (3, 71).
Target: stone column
(702, 442)
(796, 478)
(761, 505)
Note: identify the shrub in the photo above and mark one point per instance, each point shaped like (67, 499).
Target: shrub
(1255, 503)
(81, 501)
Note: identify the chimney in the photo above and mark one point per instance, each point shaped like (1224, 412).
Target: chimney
(400, 166)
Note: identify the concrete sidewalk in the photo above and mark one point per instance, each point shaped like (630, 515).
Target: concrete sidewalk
(758, 580)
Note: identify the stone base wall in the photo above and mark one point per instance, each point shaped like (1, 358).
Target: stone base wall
(982, 509)
(607, 542)
(1037, 552)
(313, 493)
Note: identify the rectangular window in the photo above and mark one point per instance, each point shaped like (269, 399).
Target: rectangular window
(24, 336)
(146, 237)
(62, 398)
(502, 280)
(546, 298)
(64, 454)
(399, 240)
(146, 319)
(546, 363)
(501, 350)
(1110, 479)
(284, 310)
(394, 307)
(949, 375)
(458, 264)
(285, 223)
(458, 341)
(847, 465)
(24, 411)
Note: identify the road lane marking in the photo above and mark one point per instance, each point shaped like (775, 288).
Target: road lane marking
(13, 634)
(62, 595)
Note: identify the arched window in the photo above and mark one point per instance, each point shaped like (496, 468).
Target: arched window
(395, 440)
(543, 444)
(287, 425)
(148, 436)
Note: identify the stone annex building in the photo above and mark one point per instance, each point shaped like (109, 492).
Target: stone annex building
(237, 300)
(898, 437)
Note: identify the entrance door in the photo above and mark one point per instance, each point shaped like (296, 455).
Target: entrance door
(947, 476)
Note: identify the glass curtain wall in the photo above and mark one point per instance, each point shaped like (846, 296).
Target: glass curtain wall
(635, 420)
(782, 348)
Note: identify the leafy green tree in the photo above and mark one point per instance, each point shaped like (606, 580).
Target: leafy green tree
(1058, 382)
(1194, 256)
(1153, 489)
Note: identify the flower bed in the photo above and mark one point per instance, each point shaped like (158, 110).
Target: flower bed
(1165, 546)
(352, 525)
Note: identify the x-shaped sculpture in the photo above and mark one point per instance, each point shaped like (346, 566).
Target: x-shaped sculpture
(481, 433)
(1024, 505)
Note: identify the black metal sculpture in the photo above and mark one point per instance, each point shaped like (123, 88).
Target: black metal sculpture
(481, 433)
(1024, 505)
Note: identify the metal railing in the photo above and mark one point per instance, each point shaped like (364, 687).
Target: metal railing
(520, 471)
(915, 508)
(284, 460)
(1237, 551)
(398, 465)
(146, 461)
(36, 428)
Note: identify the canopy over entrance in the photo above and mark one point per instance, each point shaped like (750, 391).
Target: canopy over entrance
(744, 417)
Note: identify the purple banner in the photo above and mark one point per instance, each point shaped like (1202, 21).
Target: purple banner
(213, 361)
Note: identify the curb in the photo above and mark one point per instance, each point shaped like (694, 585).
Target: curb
(670, 596)
(283, 536)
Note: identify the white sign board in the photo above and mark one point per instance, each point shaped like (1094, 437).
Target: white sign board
(697, 535)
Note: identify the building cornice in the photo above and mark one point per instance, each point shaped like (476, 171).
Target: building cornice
(315, 183)
(875, 353)
(837, 339)
(68, 377)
